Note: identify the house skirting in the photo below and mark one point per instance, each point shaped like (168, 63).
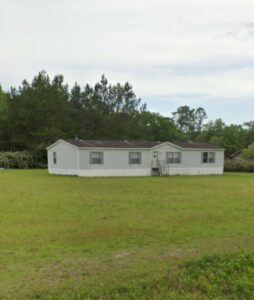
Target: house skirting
(102, 172)
(57, 171)
(136, 172)
(196, 171)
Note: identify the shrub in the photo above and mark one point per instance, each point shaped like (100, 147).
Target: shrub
(239, 166)
(248, 153)
(19, 160)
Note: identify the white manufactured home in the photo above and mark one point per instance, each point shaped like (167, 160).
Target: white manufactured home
(133, 158)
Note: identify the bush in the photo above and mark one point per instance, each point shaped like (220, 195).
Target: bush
(19, 160)
(248, 153)
(239, 166)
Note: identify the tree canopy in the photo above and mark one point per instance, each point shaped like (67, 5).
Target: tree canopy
(39, 112)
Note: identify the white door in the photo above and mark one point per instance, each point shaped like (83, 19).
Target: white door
(155, 155)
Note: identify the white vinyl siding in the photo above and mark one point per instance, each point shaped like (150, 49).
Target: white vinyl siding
(96, 158)
(208, 157)
(71, 160)
(174, 157)
(134, 158)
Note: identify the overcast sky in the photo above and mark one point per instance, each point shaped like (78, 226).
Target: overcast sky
(173, 52)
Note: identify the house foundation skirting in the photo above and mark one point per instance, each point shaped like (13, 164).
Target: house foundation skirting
(101, 172)
(196, 171)
(114, 172)
(136, 172)
(57, 171)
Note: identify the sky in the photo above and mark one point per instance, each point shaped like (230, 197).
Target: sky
(173, 52)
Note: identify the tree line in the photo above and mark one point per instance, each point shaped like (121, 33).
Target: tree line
(37, 113)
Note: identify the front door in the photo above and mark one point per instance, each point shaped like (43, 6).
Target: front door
(155, 155)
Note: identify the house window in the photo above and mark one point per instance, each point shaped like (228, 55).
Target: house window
(208, 157)
(174, 157)
(134, 158)
(96, 158)
(54, 158)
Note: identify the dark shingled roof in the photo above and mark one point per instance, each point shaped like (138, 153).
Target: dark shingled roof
(196, 145)
(136, 144)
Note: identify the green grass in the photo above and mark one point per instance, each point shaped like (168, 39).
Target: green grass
(126, 238)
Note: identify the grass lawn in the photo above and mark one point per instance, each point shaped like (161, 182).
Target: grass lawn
(126, 238)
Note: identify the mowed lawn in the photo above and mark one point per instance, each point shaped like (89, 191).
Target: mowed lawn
(115, 238)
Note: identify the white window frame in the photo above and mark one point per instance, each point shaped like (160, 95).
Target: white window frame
(93, 159)
(174, 158)
(138, 159)
(54, 158)
(210, 157)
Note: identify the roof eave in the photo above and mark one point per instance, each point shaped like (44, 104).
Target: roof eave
(59, 141)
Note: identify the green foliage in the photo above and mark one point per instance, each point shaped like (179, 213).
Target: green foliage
(239, 166)
(3, 118)
(39, 112)
(248, 153)
(189, 120)
(249, 129)
(16, 160)
(152, 126)
(106, 111)
(231, 137)
(3, 106)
